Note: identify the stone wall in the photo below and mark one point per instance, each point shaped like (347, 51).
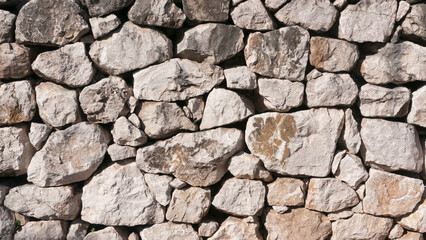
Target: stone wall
(212, 119)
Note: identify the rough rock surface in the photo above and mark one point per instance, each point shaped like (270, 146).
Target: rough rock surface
(349, 168)
(286, 192)
(7, 20)
(17, 102)
(189, 205)
(203, 11)
(163, 13)
(244, 165)
(159, 185)
(118, 152)
(252, 15)
(103, 7)
(15, 61)
(237, 228)
(411, 236)
(415, 220)
(127, 134)
(7, 227)
(207, 227)
(77, 229)
(403, 8)
(240, 78)
(110, 233)
(279, 94)
(414, 23)
(102, 26)
(169, 230)
(274, 5)
(396, 232)
(417, 113)
(350, 138)
(34, 230)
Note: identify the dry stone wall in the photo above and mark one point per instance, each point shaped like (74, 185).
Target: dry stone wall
(212, 119)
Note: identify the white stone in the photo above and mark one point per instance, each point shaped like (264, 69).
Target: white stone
(135, 120)
(244, 165)
(240, 78)
(177, 184)
(101, 26)
(160, 187)
(403, 8)
(7, 20)
(274, 5)
(415, 220)
(417, 114)
(77, 230)
(349, 168)
(342, 214)
(118, 152)
(252, 15)
(38, 134)
(286, 192)
(236, 228)
(189, 205)
(110, 233)
(17, 102)
(162, 13)
(350, 138)
(35, 230)
(279, 94)
(414, 23)
(169, 230)
(125, 133)
(207, 227)
(396, 232)
(196, 108)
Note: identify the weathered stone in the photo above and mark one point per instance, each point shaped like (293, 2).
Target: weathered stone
(403, 8)
(125, 133)
(189, 205)
(118, 195)
(361, 226)
(7, 23)
(176, 80)
(163, 13)
(17, 102)
(349, 168)
(163, 119)
(378, 101)
(299, 223)
(244, 165)
(207, 227)
(160, 187)
(7, 222)
(118, 152)
(396, 35)
(43, 22)
(340, 4)
(240, 197)
(330, 89)
(286, 192)
(317, 15)
(252, 15)
(391, 145)
(102, 26)
(280, 209)
(177, 184)
(412, 236)
(103, 101)
(169, 230)
(110, 233)
(69, 65)
(268, 53)
(132, 47)
(358, 22)
(284, 141)
(416, 219)
(104, 7)
(134, 236)
(240, 78)
(38, 134)
(217, 112)
(14, 61)
(358, 208)
(332, 55)
(274, 5)
(389, 194)
(417, 113)
(4, 190)
(35, 230)
(196, 43)
(342, 214)
(350, 138)
(69, 155)
(396, 232)
(206, 11)
(77, 230)
(279, 94)
(196, 108)
(414, 23)
(236, 228)
(395, 63)
(135, 120)
(361, 191)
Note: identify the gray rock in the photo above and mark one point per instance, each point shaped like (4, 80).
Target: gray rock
(77, 230)
(162, 13)
(15, 61)
(414, 23)
(7, 24)
(244, 165)
(102, 26)
(252, 15)
(8, 3)
(135, 120)
(104, 7)
(286, 192)
(396, 232)
(417, 113)
(403, 8)
(37, 230)
(207, 227)
(7, 223)
(340, 4)
(206, 11)
(274, 5)
(125, 133)
(240, 78)
(118, 152)
(195, 106)
(189, 205)
(236, 228)
(169, 230)
(396, 35)
(415, 220)
(38, 134)
(350, 138)
(17, 102)
(160, 187)
(110, 233)
(349, 168)
(4, 190)
(279, 94)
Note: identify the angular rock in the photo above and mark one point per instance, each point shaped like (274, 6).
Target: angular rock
(279, 94)
(69, 155)
(389, 194)
(7, 23)
(247, 166)
(43, 22)
(177, 184)
(362, 226)
(52, 230)
(134, 236)
(199, 158)
(77, 230)
(135, 120)
(104, 101)
(415, 220)
(288, 133)
(274, 5)
(217, 112)
(4, 190)
(169, 230)
(38, 134)
(403, 8)
(207, 227)
(132, 47)
(7, 223)
(350, 138)
(317, 15)
(160, 187)
(240, 78)
(163, 13)
(396, 232)
(125, 133)
(358, 22)
(17, 102)
(189, 205)
(102, 26)
(104, 7)
(280, 209)
(196, 108)
(349, 169)
(414, 23)
(340, 4)
(330, 89)
(110, 233)
(268, 53)
(332, 55)
(206, 11)
(15, 61)
(118, 195)
(240, 197)
(412, 236)
(118, 152)
(286, 192)
(299, 223)
(343, 214)
(378, 101)
(417, 113)
(237, 228)
(391, 146)
(252, 15)
(163, 119)
(361, 191)
(196, 43)
(176, 80)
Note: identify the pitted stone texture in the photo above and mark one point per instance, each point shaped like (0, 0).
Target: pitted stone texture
(110, 233)
(69, 65)
(247, 166)
(130, 48)
(349, 168)
(16, 151)
(207, 227)
(240, 197)
(160, 187)
(43, 22)
(169, 230)
(104, 101)
(7, 24)
(416, 220)
(395, 63)
(317, 15)
(350, 138)
(118, 152)
(236, 228)
(189, 205)
(332, 55)
(195, 106)
(299, 223)
(44, 203)
(252, 15)
(102, 26)
(69, 155)
(279, 94)
(35, 230)
(417, 113)
(118, 195)
(77, 230)
(200, 158)
(162, 13)
(240, 78)
(176, 80)
(396, 232)
(358, 22)
(125, 133)
(17, 102)
(197, 42)
(391, 146)
(277, 139)
(206, 11)
(389, 194)
(103, 7)
(286, 192)
(15, 61)
(7, 221)
(414, 23)
(282, 53)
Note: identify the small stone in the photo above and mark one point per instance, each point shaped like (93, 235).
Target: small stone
(69, 65)
(360, 227)
(125, 133)
(4, 190)
(110, 233)
(134, 119)
(342, 214)
(350, 138)
(280, 209)
(69, 155)
(417, 113)
(130, 48)
(189, 205)
(286, 192)
(77, 230)
(358, 208)
(102, 26)
(240, 197)
(43, 22)
(196, 108)
(206, 11)
(177, 184)
(361, 191)
(134, 236)
(196, 43)
(240, 78)
(104, 7)
(104, 101)
(274, 5)
(7, 223)
(15, 61)
(358, 22)
(7, 23)
(317, 15)
(349, 168)
(237, 228)
(279, 94)
(169, 230)
(267, 53)
(119, 196)
(403, 8)
(340, 4)
(235, 2)
(52, 230)
(411, 236)
(330, 89)
(415, 220)
(38, 134)
(164, 119)
(414, 23)
(17, 102)
(396, 232)
(332, 55)
(396, 35)
(389, 194)
(162, 13)
(118, 152)
(176, 80)
(391, 146)
(252, 15)
(132, 103)
(207, 227)
(247, 166)
(160, 187)
(217, 112)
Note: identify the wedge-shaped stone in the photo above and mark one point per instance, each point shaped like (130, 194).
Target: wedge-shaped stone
(77, 229)
(240, 78)
(189, 205)
(15, 61)
(125, 133)
(414, 23)
(244, 165)
(160, 187)
(163, 13)
(102, 26)
(349, 168)
(7, 24)
(207, 227)
(416, 220)
(206, 11)
(169, 230)
(350, 138)
(252, 15)
(52, 230)
(417, 113)
(103, 7)
(237, 228)
(118, 152)
(7, 221)
(17, 102)
(279, 94)
(286, 192)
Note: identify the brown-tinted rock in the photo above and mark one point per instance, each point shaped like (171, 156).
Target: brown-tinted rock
(416, 220)
(189, 205)
(15, 61)
(206, 11)
(37, 230)
(103, 7)
(279, 94)
(102, 26)
(7, 24)
(252, 15)
(236, 228)
(286, 192)
(17, 102)
(163, 13)
(169, 230)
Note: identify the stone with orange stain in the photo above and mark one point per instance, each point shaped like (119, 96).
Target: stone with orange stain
(286, 192)
(17, 102)
(237, 228)
(15, 61)
(416, 220)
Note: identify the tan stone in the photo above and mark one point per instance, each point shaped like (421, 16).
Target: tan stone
(286, 192)
(417, 113)
(236, 228)
(244, 165)
(416, 220)
(189, 205)
(252, 15)
(15, 61)
(17, 102)
(169, 230)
